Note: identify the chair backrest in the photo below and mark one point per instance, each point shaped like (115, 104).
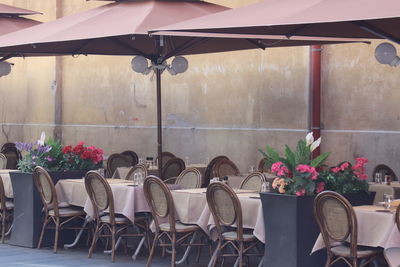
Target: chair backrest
(225, 167)
(165, 157)
(262, 167)
(225, 207)
(47, 191)
(209, 170)
(7, 145)
(2, 194)
(3, 161)
(253, 181)
(12, 154)
(189, 179)
(117, 160)
(100, 194)
(336, 219)
(131, 156)
(160, 201)
(172, 168)
(139, 168)
(384, 169)
(397, 217)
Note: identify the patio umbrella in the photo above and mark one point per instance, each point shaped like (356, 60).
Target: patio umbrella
(121, 28)
(318, 18)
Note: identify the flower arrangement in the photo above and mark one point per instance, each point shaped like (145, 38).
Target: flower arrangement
(300, 175)
(297, 172)
(52, 156)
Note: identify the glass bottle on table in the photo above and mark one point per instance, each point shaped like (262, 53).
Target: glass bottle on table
(378, 178)
(135, 179)
(387, 198)
(265, 187)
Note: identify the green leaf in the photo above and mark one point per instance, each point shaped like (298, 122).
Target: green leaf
(273, 154)
(291, 158)
(318, 161)
(302, 153)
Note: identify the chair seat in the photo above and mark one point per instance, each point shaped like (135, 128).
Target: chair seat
(68, 212)
(180, 227)
(232, 235)
(9, 205)
(362, 251)
(118, 219)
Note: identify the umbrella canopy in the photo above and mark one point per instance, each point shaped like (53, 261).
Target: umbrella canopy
(318, 18)
(10, 20)
(121, 28)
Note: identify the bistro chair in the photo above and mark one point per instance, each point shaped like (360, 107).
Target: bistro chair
(188, 179)
(225, 167)
(3, 161)
(109, 224)
(53, 213)
(117, 160)
(131, 156)
(209, 170)
(262, 167)
(139, 168)
(6, 211)
(12, 154)
(384, 170)
(166, 156)
(172, 168)
(227, 213)
(338, 224)
(171, 233)
(253, 181)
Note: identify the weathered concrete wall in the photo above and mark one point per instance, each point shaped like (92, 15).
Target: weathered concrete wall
(227, 103)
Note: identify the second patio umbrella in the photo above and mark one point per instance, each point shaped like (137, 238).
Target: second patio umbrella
(121, 28)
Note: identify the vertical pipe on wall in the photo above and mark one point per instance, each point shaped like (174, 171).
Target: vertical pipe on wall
(58, 101)
(315, 89)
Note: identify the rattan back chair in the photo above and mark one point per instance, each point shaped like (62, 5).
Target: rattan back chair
(189, 179)
(253, 181)
(172, 168)
(384, 170)
(139, 168)
(6, 210)
(227, 212)
(338, 223)
(225, 167)
(161, 204)
(131, 156)
(12, 154)
(397, 217)
(59, 216)
(108, 224)
(3, 161)
(165, 157)
(208, 174)
(117, 160)
(262, 167)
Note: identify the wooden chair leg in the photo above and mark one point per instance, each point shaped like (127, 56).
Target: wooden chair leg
(56, 234)
(173, 245)
(152, 250)
(240, 254)
(46, 221)
(113, 243)
(3, 226)
(94, 240)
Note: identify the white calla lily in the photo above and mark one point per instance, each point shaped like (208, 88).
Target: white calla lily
(315, 144)
(42, 139)
(309, 138)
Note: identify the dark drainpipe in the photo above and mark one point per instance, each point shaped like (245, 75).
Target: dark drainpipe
(315, 95)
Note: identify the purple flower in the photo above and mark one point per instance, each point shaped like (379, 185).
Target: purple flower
(44, 149)
(34, 157)
(19, 146)
(49, 159)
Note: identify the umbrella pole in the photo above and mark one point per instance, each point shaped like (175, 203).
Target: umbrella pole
(159, 123)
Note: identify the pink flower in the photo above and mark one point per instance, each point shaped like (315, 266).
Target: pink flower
(276, 166)
(362, 161)
(335, 170)
(279, 169)
(309, 169)
(320, 187)
(344, 166)
(301, 192)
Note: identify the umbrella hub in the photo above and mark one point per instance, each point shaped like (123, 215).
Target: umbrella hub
(178, 65)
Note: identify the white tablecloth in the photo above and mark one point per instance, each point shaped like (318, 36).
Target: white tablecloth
(5, 175)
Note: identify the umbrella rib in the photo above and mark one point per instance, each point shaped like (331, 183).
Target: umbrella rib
(190, 43)
(295, 31)
(7, 57)
(374, 30)
(257, 43)
(133, 49)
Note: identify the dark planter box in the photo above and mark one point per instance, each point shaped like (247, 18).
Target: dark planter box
(291, 230)
(28, 217)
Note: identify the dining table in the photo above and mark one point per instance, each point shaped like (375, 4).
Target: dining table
(382, 188)
(235, 181)
(5, 176)
(376, 228)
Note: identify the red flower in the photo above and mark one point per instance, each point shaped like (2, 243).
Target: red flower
(86, 155)
(320, 187)
(77, 150)
(344, 166)
(67, 149)
(306, 168)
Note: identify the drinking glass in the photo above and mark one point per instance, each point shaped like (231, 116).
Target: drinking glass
(140, 179)
(251, 168)
(265, 187)
(378, 178)
(187, 161)
(135, 179)
(141, 161)
(387, 198)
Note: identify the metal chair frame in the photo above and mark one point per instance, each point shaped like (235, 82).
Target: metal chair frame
(6, 214)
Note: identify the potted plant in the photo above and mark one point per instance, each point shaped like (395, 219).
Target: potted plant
(290, 227)
(61, 163)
